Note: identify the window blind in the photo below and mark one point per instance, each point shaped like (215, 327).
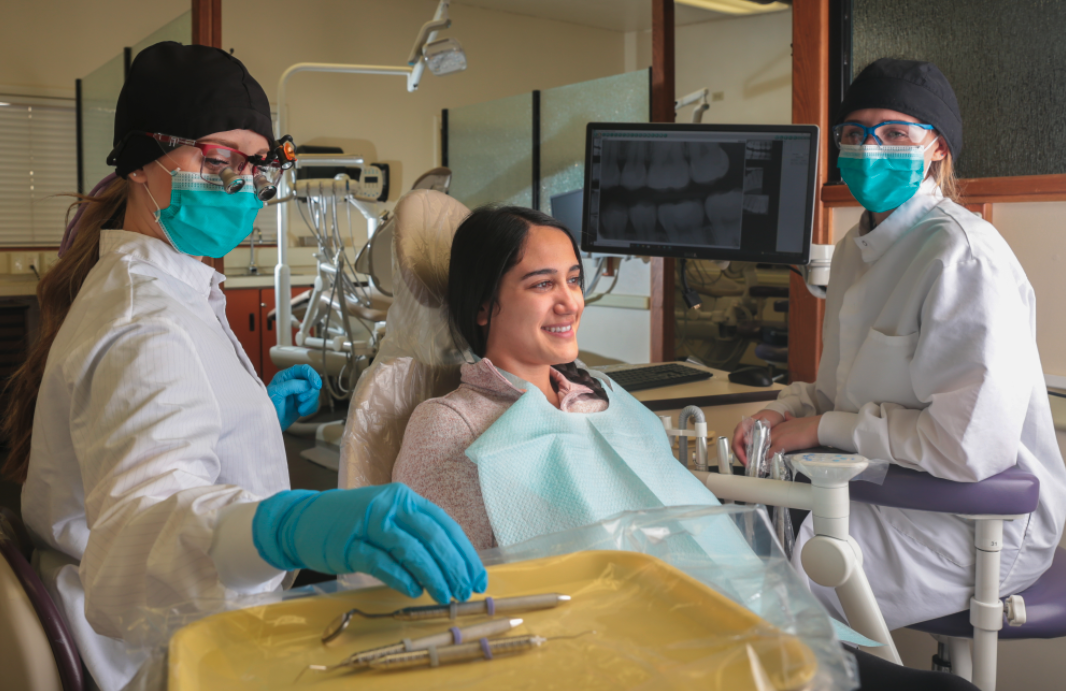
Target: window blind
(39, 162)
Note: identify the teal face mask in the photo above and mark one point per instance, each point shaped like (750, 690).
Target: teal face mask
(203, 220)
(882, 177)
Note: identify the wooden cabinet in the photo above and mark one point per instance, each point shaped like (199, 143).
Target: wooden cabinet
(247, 310)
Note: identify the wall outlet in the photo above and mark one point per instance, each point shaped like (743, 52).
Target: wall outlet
(22, 261)
(48, 260)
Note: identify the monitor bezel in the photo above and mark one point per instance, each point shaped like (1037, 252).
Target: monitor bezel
(588, 239)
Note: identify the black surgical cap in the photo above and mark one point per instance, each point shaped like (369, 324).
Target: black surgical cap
(916, 88)
(185, 91)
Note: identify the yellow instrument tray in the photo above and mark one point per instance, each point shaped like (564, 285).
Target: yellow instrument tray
(654, 628)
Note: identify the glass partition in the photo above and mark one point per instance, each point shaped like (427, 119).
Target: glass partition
(490, 151)
(99, 93)
(1003, 61)
(179, 31)
(564, 113)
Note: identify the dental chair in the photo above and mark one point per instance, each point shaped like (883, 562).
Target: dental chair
(418, 357)
(37, 651)
(1038, 612)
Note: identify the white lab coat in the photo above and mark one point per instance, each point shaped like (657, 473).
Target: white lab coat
(930, 362)
(150, 419)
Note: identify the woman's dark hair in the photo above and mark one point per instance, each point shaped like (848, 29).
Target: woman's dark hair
(487, 245)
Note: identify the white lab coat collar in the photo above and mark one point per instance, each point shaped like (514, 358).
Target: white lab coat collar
(874, 243)
(162, 254)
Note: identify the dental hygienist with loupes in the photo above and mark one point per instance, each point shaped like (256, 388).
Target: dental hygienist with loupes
(930, 357)
(151, 453)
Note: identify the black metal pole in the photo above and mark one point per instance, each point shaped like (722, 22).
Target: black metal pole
(444, 137)
(80, 147)
(535, 197)
(127, 58)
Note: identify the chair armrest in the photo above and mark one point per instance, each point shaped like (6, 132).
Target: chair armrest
(1012, 492)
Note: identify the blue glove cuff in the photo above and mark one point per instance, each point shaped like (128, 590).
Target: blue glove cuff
(270, 516)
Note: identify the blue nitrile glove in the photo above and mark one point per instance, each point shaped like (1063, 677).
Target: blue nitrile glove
(387, 531)
(294, 393)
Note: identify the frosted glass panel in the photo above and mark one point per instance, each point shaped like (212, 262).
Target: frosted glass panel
(179, 30)
(99, 94)
(564, 112)
(490, 149)
(1004, 60)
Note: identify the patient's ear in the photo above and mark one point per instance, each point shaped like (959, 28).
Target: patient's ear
(483, 315)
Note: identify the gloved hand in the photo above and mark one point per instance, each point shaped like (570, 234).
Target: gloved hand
(387, 531)
(294, 393)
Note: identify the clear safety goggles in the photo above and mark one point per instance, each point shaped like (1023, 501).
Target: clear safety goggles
(226, 167)
(887, 133)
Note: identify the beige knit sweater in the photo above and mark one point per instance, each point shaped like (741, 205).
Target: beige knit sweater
(433, 460)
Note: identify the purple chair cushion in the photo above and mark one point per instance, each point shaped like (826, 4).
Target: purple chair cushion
(1045, 609)
(1013, 491)
(63, 647)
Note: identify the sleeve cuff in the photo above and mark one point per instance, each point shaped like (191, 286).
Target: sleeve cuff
(778, 407)
(837, 429)
(236, 558)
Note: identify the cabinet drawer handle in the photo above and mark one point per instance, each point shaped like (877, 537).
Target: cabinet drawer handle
(251, 321)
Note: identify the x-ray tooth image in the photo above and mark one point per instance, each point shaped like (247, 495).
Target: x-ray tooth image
(683, 221)
(757, 203)
(610, 171)
(643, 215)
(668, 169)
(725, 212)
(759, 150)
(753, 180)
(634, 165)
(708, 162)
(613, 219)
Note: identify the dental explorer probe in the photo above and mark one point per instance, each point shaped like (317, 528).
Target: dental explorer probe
(483, 648)
(489, 606)
(438, 640)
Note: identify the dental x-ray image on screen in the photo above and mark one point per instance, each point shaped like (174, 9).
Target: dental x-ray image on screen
(707, 191)
(688, 193)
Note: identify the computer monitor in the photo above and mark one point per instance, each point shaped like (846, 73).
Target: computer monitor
(727, 192)
(566, 208)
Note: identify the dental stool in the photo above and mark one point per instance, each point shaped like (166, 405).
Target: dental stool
(1038, 612)
(418, 357)
(37, 650)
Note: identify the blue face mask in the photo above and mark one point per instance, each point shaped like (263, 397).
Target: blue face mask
(882, 177)
(203, 220)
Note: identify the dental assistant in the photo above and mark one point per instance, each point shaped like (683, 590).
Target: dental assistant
(930, 357)
(152, 455)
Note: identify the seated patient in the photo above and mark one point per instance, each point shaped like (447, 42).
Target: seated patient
(515, 295)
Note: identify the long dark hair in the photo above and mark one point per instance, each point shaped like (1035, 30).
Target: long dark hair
(487, 245)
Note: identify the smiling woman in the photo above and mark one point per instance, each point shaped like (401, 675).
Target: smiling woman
(515, 296)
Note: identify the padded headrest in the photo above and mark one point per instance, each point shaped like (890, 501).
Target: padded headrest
(426, 221)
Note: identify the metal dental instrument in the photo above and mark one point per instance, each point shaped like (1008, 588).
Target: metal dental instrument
(453, 636)
(489, 606)
(481, 649)
(760, 441)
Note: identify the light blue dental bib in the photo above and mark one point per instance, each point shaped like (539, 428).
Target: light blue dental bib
(543, 470)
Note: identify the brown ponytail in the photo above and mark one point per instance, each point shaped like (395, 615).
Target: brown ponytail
(55, 293)
(580, 376)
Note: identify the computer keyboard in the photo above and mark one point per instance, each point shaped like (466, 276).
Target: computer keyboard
(640, 378)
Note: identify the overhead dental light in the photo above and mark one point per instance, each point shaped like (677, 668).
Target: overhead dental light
(739, 6)
(444, 56)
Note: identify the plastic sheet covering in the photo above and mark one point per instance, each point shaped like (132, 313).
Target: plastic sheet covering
(681, 620)
(418, 357)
